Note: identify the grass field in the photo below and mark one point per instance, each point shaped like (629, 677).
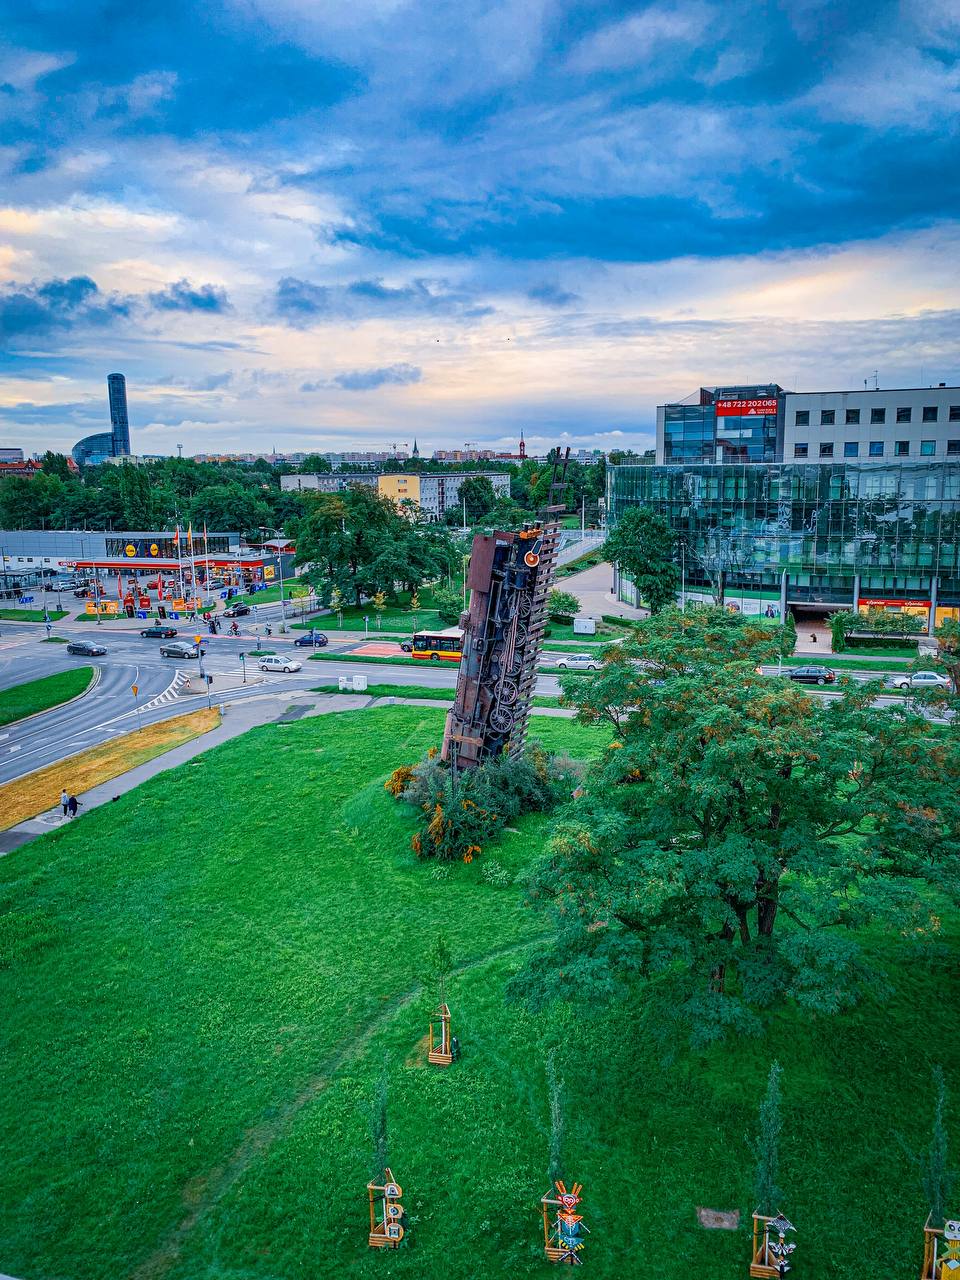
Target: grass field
(193, 1015)
(30, 615)
(35, 792)
(423, 691)
(40, 695)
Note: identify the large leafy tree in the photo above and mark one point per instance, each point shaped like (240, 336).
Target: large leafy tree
(737, 834)
(360, 543)
(479, 496)
(642, 548)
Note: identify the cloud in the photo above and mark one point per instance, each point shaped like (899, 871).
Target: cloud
(634, 40)
(182, 296)
(36, 309)
(299, 302)
(400, 375)
(552, 296)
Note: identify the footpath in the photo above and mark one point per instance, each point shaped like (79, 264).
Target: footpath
(238, 718)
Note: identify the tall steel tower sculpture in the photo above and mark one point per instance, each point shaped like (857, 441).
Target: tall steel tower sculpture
(509, 577)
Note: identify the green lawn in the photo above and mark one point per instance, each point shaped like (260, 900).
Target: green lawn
(192, 1016)
(424, 691)
(40, 695)
(31, 615)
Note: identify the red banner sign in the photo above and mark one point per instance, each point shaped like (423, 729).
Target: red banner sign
(745, 408)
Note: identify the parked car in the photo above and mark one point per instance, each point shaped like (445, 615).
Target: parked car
(158, 633)
(86, 649)
(181, 649)
(314, 639)
(81, 592)
(273, 662)
(236, 611)
(571, 661)
(922, 680)
(813, 675)
(406, 646)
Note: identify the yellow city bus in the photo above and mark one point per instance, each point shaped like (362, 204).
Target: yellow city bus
(438, 646)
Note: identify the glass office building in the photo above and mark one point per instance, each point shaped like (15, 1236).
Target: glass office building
(724, 424)
(838, 535)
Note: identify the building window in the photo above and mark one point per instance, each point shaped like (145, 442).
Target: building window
(803, 418)
(904, 415)
(826, 451)
(851, 449)
(953, 446)
(955, 413)
(928, 448)
(876, 448)
(878, 417)
(827, 417)
(929, 413)
(853, 417)
(902, 448)
(800, 450)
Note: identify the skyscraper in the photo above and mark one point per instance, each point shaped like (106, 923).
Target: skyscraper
(119, 422)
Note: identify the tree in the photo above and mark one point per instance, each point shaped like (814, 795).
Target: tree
(936, 1176)
(788, 636)
(379, 603)
(55, 464)
(642, 547)
(766, 1148)
(947, 658)
(448, 604)
(737, 833)
(562, 603)
(314, 465)
(137, 497)
(718, 553)
(479, 496)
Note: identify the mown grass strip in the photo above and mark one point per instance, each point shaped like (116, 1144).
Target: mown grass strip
(36, 792)
(31, 615)
(40, 695)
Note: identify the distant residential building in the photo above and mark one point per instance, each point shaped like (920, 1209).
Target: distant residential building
(437, 492)
(11, 455)
(328, 482)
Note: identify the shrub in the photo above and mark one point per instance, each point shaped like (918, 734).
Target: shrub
(399, 780)
(459, 822)
(448, 604)
(495, 874)
(561, 604)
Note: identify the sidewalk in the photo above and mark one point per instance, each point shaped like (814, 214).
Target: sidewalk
(594, 589)
(238, 718)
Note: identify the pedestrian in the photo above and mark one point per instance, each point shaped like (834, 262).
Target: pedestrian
(73, 804)
(64, 801)
(813, 638)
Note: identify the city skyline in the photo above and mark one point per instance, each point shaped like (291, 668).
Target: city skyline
(297, 227)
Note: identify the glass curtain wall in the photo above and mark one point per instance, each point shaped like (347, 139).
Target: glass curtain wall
(896, 524)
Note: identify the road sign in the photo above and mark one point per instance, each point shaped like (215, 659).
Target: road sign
(224, 595)
(197, 639)
(26, 600)
(135, 688)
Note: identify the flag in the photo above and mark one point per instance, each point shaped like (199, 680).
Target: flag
(190, 535)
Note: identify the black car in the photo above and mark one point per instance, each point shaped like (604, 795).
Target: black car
(158, 633)
(315, 639)
(813, 675)
(86, 649)
(236, 611)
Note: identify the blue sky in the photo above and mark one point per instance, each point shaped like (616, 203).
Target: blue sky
(308, 224)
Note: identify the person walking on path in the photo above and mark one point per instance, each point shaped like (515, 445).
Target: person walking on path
(73, 804)
(64, 801)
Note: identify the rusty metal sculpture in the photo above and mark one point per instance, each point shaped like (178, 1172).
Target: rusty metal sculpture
(509, 577)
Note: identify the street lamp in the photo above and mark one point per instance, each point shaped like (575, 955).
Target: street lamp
(279, 535)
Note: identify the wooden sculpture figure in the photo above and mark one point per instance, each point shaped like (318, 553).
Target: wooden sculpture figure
(386, 1213)
(563, 1231)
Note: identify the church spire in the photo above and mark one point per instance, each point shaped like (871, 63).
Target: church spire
(523, 447)
(416, 451)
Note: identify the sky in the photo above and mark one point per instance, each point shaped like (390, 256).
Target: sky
(305, 224)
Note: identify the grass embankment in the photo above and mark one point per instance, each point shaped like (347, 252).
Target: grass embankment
(31, 615)
(195, 1015)
(36, 792)
(845, 664)
(40, 695)
(402, 660)
(423, 691)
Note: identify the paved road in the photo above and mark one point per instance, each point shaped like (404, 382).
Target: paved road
(111, 708)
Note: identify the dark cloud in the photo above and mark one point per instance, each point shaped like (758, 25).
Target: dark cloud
(301, 303)
(182, 296)
(552, 296)
(36, 309)
(369, 379)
